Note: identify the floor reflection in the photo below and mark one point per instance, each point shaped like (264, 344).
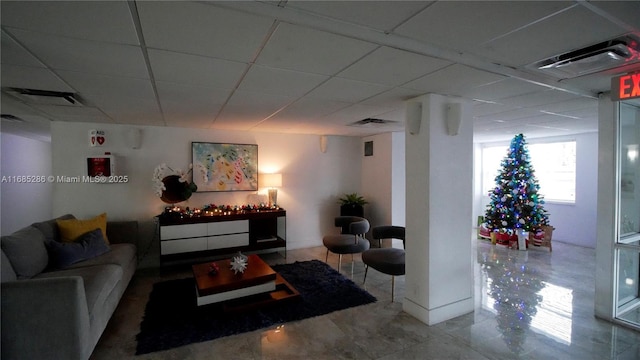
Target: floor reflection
(523, 299)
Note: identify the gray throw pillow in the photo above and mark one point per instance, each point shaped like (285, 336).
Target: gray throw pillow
(26, 252)
(87, 246)
(6, 271)
(50, 227)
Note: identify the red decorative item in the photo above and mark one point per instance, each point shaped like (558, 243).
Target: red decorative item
(213, 269)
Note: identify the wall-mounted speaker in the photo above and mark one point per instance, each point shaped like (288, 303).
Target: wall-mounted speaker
(413, 117)
(453, 118)
(133, 138)
(323, 143)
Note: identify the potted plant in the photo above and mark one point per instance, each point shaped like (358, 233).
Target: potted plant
(352, 205)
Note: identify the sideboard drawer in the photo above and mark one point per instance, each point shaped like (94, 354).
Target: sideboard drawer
(183, 245)
(228, 227)
(183, 231)
(227, 241)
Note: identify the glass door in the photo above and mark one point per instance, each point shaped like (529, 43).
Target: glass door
(627, 249)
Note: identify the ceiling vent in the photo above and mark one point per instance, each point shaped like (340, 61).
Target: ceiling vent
(606, 55)
(12, 118)
(45, 97)
(373, 122)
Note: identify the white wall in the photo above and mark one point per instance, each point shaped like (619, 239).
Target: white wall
(24, 203)
(312, 181)
(383, 180)
(574, 223)
(398, 180)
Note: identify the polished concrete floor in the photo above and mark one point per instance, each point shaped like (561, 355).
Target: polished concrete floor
(528, 305)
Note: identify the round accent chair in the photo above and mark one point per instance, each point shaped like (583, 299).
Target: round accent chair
(389, 261)
(351, 240)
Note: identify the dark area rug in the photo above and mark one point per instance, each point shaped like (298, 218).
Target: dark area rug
(173, 319)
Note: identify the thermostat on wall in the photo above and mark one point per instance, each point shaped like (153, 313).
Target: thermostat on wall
(102, 165)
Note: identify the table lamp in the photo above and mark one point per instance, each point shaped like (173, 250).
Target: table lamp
(272, 181)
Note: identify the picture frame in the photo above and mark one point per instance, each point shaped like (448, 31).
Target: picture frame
(224, 166)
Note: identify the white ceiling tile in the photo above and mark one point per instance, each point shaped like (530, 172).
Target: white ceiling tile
(190, 104)
(555, 35)
(86, 56)
(128, 110)
(393, 98)
(464, 25)
(502, 89)
(190, 94)
(108, 21)
(14, 54)
(32, 78)
(626, 11)
(382, 15)
(93, 86)
(309, 108)
(392, 67)
(571, 105)
(251, 107)
(202, 28)
(346, 90)
(483, 108)
(298, 48)
(198, 122)
(195, 70)
(596, 83)
(510, 115)
(280, 82)
(453, 80)
(539, 98)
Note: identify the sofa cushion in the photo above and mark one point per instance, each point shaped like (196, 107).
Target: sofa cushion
(72, 229)
(49, 228)
(87, 246)
(120, 254)
(6, 271)
(99, 282)
(26, 252)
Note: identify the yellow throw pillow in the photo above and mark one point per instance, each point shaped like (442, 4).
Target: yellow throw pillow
(72, 229)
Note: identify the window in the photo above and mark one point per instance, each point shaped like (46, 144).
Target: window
(554, 164)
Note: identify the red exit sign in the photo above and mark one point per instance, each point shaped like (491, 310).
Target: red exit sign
(625, 87)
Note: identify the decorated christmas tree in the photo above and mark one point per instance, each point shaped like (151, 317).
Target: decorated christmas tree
(515, 202)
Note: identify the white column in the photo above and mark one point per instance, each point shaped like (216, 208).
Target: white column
(608, 114)
(439, 182)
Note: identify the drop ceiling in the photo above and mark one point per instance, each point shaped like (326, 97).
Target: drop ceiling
(305, 67)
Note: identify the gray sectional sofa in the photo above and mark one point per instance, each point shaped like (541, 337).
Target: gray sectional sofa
(60, 313)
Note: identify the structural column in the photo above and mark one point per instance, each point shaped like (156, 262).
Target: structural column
(439, 200)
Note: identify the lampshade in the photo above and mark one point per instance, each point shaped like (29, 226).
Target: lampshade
(271, 180)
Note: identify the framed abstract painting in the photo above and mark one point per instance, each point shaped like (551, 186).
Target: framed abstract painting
(225, 167)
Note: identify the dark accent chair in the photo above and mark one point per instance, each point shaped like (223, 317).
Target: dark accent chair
(389, 261)
(351, 240)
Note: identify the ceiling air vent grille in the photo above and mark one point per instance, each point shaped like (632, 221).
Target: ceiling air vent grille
(45, 97)
(606, 55)
(373, 122)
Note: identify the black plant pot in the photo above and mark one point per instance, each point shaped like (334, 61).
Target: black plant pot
(352, 210)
